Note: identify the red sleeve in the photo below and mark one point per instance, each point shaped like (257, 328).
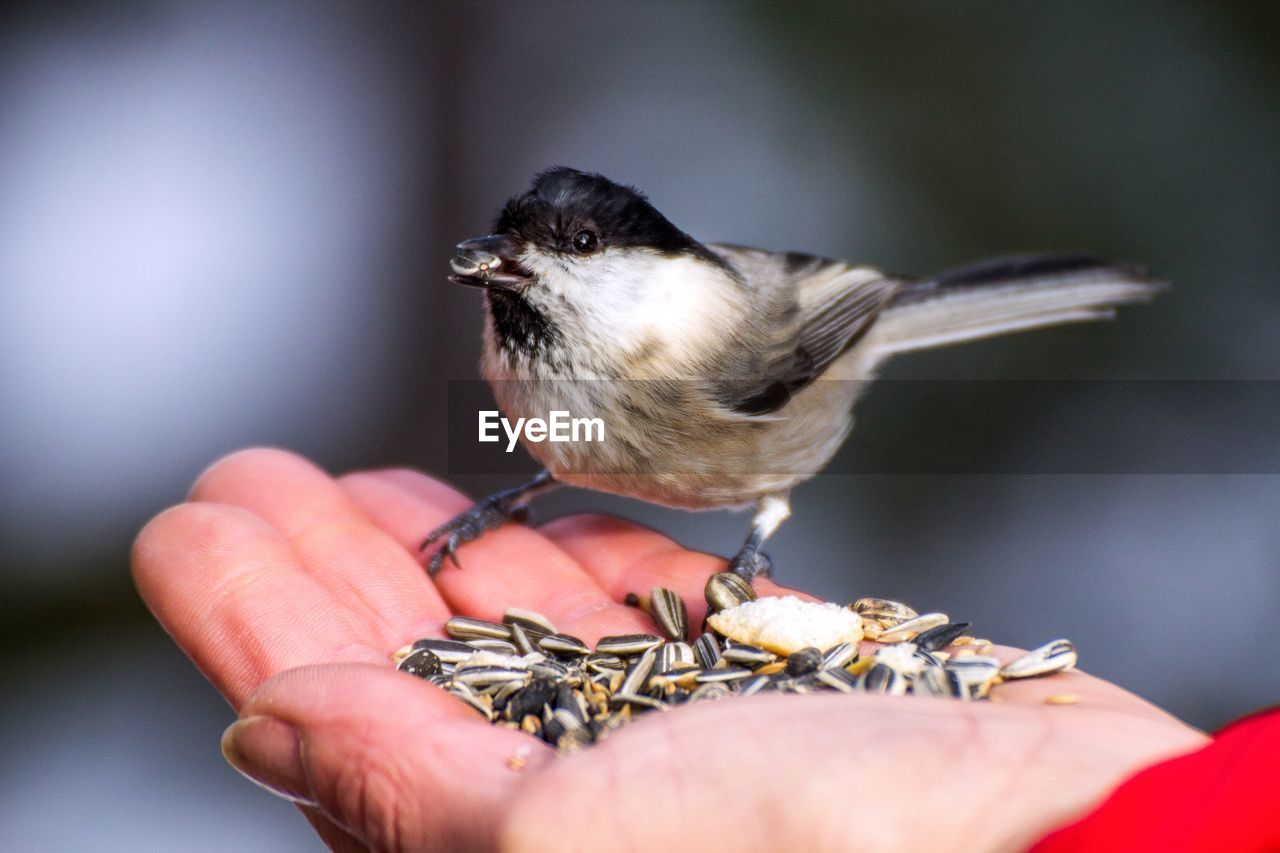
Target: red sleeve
(1224, 797)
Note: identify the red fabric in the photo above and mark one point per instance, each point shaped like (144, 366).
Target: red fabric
(1224, 797)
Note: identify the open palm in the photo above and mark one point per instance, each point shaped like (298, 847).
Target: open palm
(289, 589)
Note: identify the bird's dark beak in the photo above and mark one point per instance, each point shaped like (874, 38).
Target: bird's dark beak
(488, 262)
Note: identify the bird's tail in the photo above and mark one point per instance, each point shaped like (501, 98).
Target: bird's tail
(1007, 295)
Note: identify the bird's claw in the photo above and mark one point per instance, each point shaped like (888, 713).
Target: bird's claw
(750, 563)
(488, 514)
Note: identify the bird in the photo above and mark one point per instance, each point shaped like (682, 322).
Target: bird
(723, 375)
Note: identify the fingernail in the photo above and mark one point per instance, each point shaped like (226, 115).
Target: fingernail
(268, 752)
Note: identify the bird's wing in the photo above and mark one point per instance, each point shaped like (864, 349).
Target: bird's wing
(830, 306)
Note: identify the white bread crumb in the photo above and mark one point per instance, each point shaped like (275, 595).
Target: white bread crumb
(785, 624)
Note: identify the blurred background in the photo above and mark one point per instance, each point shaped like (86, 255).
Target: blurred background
(229, 224)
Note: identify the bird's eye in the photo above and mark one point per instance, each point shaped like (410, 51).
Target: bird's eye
(585, 242)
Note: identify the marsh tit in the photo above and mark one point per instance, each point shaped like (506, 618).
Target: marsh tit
(724, 375)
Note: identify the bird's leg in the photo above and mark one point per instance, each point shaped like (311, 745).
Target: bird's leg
(491, 512)
(751, 562)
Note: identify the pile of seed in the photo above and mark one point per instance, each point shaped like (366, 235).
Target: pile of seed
(523, 674)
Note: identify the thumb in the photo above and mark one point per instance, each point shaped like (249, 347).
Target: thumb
(391, 759)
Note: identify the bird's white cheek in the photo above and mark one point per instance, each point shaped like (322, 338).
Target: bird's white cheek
(675, 302)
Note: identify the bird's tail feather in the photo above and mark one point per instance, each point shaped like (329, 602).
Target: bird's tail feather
(1007, 295)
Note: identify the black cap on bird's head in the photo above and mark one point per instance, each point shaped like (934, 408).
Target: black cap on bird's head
(569, 213)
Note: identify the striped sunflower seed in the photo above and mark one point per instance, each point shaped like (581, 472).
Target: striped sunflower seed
(720, 676)
(638, 673)
(883, 679)
(910, 628)
(486, 676)
(940, 637)
(482, 704)
(706, 650)
(840, 656)
(673, 656)
(745, 655)
(668, 611)
(600, 662)
(466, 628)
(500, 647)
(520, 639)
(565, 645)
(530, 620)
(725, 590)
(628, 644)
(449, 651)
(978, 673)
(1053, 657)
(838, 679)
(803, 661)
(931, 681)
(883, 610)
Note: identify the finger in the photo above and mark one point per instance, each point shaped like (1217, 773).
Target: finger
(337, 839)
(624, 557)
(392, 759)
(227, 586)
(512, 566)
(336, 543)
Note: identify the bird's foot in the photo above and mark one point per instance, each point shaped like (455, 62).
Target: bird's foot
(751, 563)
(490, 513)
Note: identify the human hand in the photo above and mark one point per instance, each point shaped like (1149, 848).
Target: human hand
(289, 589)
